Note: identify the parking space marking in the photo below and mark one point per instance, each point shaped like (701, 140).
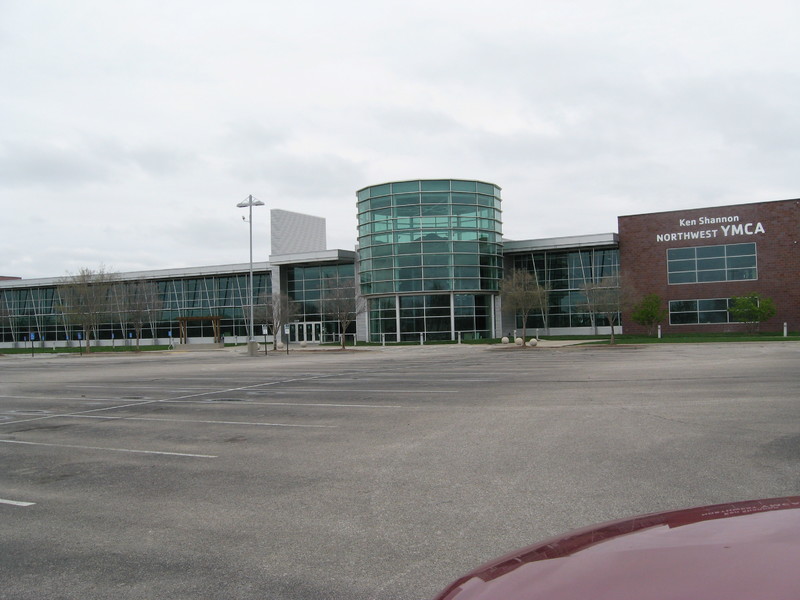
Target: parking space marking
(207, 422)
(312, 404)
(255, 385)
(61, 398)
(327, 404)
(128, 450)
(55, 416)
(177, 399)
(16, 502)
(368, 391)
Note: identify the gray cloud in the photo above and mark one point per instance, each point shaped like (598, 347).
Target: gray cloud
(48, 164)
(141, 126)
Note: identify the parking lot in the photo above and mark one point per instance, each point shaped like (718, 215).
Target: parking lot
(370, 474)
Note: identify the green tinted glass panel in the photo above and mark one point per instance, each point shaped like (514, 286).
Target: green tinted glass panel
(710, 251)
(685, 277)
(740, 249)
(411, 260)
(683, 318)
(405, 186)
(438, 185)
(436, 259)
(407, 211)
(408, 248)
(405, 223)
(465, 247)
(382, 263)
(704, 264)
(406, 236)
(683, 306)
(436, 209)
(386, 250)
(402, 199)
(713, 317)
(434, 198)
(708, 276)
(713, 304)
(436, 247)
(408, 273)
(438, 272)
(741, 261)
(381, 202)
(741, 274)
(466, 271)
(466, 259)
(463, 186)
(680, 253)
(464, 199)
(409, 285)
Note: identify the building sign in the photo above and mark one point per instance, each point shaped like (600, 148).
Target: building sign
(698, 229)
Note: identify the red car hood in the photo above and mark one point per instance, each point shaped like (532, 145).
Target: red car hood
(742, 551)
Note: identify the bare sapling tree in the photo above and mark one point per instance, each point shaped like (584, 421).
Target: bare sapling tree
(140, 300)
(86, 300)
(341, 304)
(276, 310)
(6, 320)
(119, 305)
(604, 299)
(521, 292)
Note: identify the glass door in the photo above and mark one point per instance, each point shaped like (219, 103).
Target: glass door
(305, 332)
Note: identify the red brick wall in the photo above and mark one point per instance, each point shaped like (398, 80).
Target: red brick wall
(643, 258)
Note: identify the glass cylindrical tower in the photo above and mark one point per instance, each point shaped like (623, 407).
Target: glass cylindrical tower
(430, 258)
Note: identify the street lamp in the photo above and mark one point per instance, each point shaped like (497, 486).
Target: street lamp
(250, 202)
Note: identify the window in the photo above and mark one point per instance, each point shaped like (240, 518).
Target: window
(565, 272)
(704, 264)
(700, 312)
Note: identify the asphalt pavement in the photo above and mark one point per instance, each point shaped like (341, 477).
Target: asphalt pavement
(365, 474)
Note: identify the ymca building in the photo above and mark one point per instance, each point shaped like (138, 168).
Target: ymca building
(698, 259)
(427, 265)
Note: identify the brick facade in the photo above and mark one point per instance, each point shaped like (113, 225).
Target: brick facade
(773, 226)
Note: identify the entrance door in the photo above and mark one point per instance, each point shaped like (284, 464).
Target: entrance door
(305, 332)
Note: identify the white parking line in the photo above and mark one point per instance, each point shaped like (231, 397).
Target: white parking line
(367, 391)
(62, 398)
(326, 404)
(56, 416)
(16, 502)
(128, 450)
(314, 404)
(200, 421)
(250, 387)
(152, 401)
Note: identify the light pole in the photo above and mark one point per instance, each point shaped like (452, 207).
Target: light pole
(250, 202)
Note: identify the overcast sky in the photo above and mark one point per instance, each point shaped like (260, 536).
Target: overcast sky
(129, 130)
